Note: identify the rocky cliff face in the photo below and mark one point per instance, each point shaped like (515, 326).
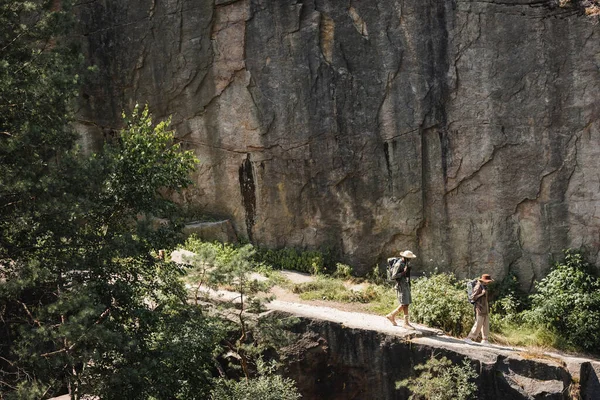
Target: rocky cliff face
(332, 362)
(466, 131)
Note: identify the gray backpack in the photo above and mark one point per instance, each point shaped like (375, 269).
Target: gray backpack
(470, 288)
(393, 268)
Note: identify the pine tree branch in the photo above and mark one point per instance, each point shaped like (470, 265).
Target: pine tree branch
(63, 350)
(30, 315)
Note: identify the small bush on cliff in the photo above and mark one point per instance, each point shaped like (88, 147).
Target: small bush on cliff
(342, 271)
(438, 379)
(567, 301)
(440, 301)
(266, 386)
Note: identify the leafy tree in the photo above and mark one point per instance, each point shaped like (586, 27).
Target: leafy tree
(567, 301)
(169, 355)
(84, 302)
(251, 334)
(232, 268)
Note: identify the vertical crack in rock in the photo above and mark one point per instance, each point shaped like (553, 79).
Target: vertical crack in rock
(443, 134)
(434, 232)
(248, 191)
(386, 151)
(442, 67)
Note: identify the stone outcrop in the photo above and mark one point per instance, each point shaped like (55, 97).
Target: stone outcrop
(330, 361)
(466, 131)
(334, 354)
(590, 384)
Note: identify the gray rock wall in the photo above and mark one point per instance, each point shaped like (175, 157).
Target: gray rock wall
(466, 131)
(332, 362)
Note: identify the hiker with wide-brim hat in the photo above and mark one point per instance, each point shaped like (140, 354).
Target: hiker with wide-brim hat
(402, 288)
(482, 310)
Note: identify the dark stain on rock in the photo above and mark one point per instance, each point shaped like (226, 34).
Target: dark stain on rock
(248, 190)
(386, 151)
(444, 152)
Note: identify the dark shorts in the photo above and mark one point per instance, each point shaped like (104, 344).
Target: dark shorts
(403, 293)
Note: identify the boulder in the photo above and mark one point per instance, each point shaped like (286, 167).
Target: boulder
(221, 231)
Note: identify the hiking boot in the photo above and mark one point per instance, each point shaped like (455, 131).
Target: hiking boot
(468, 341)
(392, 319)
(407, 324)
(485, 342)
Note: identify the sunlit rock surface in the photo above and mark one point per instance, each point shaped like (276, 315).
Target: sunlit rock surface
(466, 131)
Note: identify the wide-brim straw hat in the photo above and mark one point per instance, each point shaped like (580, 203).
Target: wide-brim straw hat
(486, 278)
(407, 254)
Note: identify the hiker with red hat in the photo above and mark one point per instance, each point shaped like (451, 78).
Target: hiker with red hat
(482, 310)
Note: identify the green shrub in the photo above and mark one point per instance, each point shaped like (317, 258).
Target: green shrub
(342, 271)
(440, 301)
(507, 302)
(438, 379)
(312, 262)
(266, 386)
(567, 301)
(212, 251)
(377, 276)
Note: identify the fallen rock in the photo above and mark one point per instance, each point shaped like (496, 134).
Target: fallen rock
(221, 231)
(181, 256)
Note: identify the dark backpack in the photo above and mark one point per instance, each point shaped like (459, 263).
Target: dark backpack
(393, 268)
(470, 288)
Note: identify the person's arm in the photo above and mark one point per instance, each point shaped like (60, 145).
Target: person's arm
(478, 292)
(404, 269)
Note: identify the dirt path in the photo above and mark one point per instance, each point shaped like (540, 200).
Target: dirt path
(357, 315)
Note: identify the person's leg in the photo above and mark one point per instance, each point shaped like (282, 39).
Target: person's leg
(392, 316)
(406, 322)
(485, 331)
(476, 328)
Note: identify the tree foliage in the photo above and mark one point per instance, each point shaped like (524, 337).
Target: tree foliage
(84, 302)
(245, 374)
(83, 295)
(439, 379)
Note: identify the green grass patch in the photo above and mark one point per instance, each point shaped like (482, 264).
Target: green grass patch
(385, 301)
(523, 335)
(323, 288)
